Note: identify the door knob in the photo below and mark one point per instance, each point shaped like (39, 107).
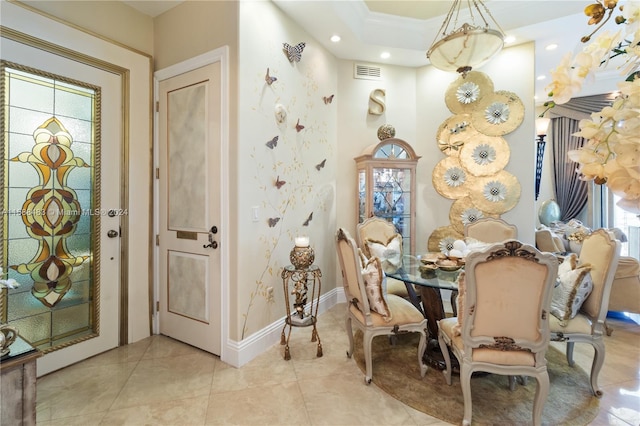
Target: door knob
(212, 243)
(112, 233)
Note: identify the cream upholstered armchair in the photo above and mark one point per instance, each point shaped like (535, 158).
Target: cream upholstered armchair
(379, 237)
(503, 318)
(490, 230)
(548, 241)
(600, 252)
(625, 291)
(367, 307)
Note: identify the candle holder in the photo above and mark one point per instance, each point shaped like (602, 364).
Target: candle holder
(302, 257)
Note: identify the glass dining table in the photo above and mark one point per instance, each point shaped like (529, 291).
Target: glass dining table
(424, 286)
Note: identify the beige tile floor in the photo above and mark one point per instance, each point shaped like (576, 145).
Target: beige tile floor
(159, 381)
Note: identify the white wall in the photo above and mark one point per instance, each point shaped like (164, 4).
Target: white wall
(309, 190)
(357, 129)
(513, 70)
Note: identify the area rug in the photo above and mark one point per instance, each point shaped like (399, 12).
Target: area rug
(395, 370)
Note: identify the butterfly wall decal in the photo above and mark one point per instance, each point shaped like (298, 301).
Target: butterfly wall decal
(294, 53)
(299, 126)
(279, 183)
(327, 99)
(321, 164)
(273, 142)
(269, 79)
(306, 222)
(273, 221)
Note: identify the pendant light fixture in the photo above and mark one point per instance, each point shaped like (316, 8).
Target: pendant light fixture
(470, 45)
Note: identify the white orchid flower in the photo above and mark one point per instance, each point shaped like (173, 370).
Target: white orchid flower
(629, 205)
(611, 153)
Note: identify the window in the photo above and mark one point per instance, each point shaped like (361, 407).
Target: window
(607, 214)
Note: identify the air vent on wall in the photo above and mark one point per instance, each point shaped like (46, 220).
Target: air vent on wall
(366, 72)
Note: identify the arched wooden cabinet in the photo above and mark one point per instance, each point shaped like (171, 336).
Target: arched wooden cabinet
(387, 186)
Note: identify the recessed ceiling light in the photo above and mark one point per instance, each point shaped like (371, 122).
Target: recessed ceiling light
(541, 77)
(509, 39)
(335, 38)
(551, 46)
(385, 55)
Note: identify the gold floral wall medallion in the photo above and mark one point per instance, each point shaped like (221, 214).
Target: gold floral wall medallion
(463, 211)
(443, 237)
(463, 95)
(498, 113)
(453, 132)
(473, 172)
(450, 179)
(496, 194)
(485, 155)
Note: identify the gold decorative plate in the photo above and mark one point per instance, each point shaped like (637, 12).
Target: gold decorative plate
(498, 113)
(465, 207)
(464, 94)
(495, 194)
(453, 133)
(485, 155)
(449, 178)
(439, 235)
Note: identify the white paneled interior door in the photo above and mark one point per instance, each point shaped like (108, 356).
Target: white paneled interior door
(189, 207)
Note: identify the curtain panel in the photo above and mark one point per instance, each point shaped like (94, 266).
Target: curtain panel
(570, 191)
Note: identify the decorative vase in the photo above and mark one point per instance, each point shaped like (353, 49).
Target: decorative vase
(8, 335)
(302, 257)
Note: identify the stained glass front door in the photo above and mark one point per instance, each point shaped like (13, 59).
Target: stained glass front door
(55, 199)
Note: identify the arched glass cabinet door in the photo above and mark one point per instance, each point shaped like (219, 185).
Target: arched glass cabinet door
(386, 186)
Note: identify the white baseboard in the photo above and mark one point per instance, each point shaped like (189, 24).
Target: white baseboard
(237, 353)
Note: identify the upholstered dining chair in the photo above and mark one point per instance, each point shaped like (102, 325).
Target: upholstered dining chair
(382, 315)
(503, 321)
(490, 230)
(601, 252)
(379, 235)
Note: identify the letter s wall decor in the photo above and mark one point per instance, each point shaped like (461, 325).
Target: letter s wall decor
(376, 102)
